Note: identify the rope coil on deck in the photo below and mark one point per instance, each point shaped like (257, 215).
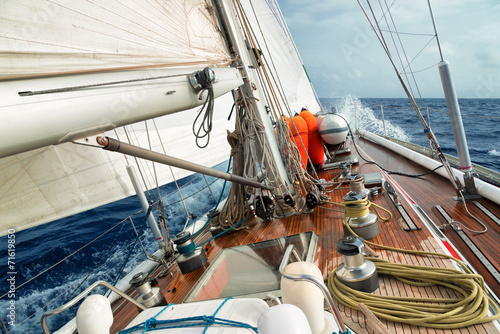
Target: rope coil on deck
(442, 313)
(361, 207)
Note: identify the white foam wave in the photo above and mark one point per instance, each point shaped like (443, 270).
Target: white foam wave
(363, 117)
(494, 152)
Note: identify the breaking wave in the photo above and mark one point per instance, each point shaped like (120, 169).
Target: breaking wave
(494, 152)
(361, 116)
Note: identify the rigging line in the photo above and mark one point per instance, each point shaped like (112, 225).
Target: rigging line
(278, 9)
(97, 266)
(435, 30)
(171, 170)
(71, 88)
(408, 33)
(392, 38)
(118, 137)
(376, 164)
(209, 188)
(262, 70)
(65, 258)
(427, 129)
(277, 82)
(415, 57)
(406, 57)
(152, 162)
(485, 228)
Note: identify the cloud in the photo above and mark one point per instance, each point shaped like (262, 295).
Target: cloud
(334, 38)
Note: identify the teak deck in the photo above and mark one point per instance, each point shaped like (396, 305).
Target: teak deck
(426, 192)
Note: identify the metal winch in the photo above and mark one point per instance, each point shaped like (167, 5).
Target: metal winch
(356, 272)
(148, 296)
(190, 258)
(365, 225)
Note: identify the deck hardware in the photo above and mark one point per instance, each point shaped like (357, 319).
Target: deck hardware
(411, 226)
(264, 208)
(148, 296)
(487, 212)
(366, 225)
(190, 258)
(312, 201)
(456, 227)
(289, 201)
(356, 272)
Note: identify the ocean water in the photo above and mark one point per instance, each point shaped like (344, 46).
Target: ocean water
(117, 252)
(481, 120)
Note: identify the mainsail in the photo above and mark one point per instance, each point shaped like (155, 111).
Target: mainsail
(44, 179)
(53, 44)
(60, 36)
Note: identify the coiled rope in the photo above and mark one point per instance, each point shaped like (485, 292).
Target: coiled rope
(236, 207)
(205, 126)
(445, 313)
(361, 207)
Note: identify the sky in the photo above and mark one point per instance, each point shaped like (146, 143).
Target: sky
(343, 56)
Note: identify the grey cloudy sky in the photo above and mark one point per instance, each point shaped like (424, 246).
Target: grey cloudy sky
(343, 56)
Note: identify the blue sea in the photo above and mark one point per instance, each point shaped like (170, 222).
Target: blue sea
(115, 253)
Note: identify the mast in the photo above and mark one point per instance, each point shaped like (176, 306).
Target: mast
(251, 86)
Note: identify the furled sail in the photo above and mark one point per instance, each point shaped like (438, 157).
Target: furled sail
(60, 36)
(278, 47)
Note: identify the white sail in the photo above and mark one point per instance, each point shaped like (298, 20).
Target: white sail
(279, 49)
(49, 183)
(41, 37)
(50, 47)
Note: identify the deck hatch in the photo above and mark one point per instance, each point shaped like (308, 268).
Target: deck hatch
(250, 270)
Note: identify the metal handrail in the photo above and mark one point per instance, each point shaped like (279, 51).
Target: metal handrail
(309, 278)
(83, 294)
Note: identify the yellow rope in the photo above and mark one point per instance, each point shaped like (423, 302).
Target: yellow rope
(470, 309)
(445, 313)
(361, 207)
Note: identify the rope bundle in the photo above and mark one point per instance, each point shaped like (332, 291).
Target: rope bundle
(205, 127)
(361, 207)
(236, 208)
(470, 309)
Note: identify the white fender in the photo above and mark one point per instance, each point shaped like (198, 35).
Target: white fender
(305, 295)
(94, 315)
(284, 318)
